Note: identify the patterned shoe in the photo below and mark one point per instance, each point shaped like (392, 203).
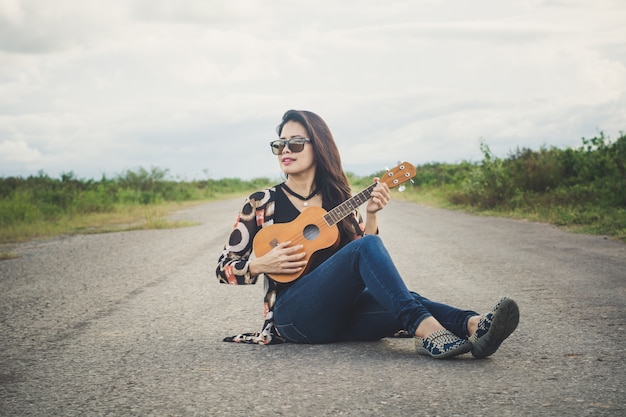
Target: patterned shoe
(441, 344)
(494, 327)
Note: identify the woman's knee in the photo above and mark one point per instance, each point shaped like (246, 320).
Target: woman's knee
(369, 241)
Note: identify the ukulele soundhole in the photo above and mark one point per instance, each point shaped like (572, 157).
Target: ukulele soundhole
(311, 232)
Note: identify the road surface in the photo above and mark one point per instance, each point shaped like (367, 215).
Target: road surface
(131, 323)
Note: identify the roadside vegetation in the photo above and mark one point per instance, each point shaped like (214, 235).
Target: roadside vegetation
(582, 189)
(41, 206)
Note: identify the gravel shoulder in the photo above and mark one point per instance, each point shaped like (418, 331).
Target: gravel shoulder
(131, 323)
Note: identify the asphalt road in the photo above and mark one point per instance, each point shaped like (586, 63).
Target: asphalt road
(131, 324)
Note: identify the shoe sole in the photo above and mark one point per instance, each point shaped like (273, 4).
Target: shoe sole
(504, 322)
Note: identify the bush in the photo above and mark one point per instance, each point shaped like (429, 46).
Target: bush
(489, 184)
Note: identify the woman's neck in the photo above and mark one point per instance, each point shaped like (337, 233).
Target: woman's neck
(301, 184)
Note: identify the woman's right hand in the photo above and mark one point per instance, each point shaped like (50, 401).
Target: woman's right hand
(282, 259)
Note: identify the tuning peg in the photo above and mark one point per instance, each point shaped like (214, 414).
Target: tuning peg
(401, 188)
(387, 169)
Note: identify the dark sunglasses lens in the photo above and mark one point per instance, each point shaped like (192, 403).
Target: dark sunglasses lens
(277, 147)
(296, 145)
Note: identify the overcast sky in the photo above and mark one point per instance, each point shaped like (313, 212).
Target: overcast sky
(198, 86)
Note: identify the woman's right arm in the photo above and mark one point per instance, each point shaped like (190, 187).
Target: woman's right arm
(237, 266)
(233, 264)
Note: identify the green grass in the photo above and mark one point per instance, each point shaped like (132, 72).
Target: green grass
(40, 207)
(119, 219)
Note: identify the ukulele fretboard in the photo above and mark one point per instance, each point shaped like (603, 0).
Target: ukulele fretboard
(344, 209)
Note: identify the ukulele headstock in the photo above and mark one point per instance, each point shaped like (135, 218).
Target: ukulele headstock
(400, 174)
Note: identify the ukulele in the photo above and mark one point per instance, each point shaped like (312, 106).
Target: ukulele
(315, 228)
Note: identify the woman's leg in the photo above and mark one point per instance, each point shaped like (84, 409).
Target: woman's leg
(452, 318)
(318, 307)
(371, 321)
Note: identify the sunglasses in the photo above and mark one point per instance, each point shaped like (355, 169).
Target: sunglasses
(294, 145)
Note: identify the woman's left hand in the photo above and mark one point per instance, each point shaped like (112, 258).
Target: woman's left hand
(380, 197)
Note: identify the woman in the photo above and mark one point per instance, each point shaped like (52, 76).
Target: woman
(349, 292)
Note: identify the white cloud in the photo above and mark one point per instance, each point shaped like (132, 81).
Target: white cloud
(18, 151)
(194, 85)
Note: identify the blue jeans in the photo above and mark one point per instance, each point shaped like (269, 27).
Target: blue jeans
(358, 294)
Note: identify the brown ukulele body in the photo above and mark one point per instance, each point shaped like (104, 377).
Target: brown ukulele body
(308, 229)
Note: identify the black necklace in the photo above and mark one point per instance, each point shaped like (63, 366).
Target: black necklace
(299, 197)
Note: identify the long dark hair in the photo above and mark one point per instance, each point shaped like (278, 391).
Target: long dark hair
(330, 178)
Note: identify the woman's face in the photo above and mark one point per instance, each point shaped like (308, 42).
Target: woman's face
(295, 163)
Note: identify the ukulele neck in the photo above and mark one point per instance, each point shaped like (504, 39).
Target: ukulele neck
(344, 209)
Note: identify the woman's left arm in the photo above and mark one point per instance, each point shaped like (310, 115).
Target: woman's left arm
(378, 201)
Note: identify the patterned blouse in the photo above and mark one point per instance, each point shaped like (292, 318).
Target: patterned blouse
(261, 209)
